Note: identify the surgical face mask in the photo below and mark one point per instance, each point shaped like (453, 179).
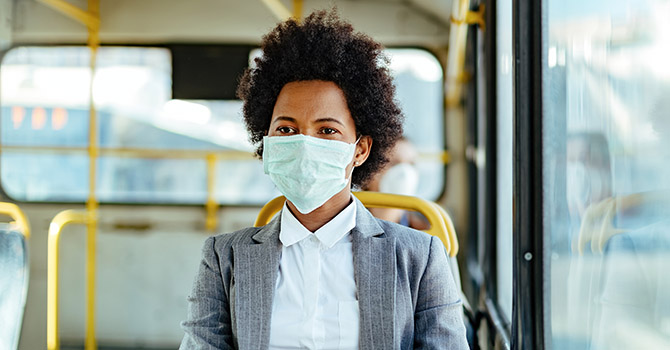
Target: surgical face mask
(401, 178)
(307, 170)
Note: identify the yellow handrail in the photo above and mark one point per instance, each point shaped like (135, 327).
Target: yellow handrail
(72, 11)
(437, 228)
(211, 206)
(297, 10)
(92, 201)
(13, 211)
(441, 225)
(168, 153)
(451, 230)
(91, 19)
(59, 221)
(461, 18)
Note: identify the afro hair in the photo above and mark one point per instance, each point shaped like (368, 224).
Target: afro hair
(324, 47)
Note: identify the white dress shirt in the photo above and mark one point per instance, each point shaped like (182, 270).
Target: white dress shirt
(315, 304)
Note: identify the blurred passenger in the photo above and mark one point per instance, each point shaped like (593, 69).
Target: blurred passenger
(399, 176)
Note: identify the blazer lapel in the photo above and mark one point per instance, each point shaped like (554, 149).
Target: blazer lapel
(256, 267)
(375, 276)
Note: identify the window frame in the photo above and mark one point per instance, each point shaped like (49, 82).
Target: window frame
(530, 325)
(483, 120)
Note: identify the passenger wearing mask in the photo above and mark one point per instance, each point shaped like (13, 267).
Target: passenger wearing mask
(399, 176)
(324, 273)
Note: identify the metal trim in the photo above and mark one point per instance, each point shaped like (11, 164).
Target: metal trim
(528, 315)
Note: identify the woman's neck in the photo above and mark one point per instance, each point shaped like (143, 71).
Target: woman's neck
(321, 215)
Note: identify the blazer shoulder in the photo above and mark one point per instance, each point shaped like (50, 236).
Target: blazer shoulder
(224, 241)
(405, 235)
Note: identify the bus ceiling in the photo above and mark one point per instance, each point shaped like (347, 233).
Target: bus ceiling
(415, 22)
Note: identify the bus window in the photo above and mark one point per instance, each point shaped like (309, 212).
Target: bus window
(153, 148)
(605, 160)
(418, 80)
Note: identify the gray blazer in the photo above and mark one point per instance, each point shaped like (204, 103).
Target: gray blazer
(406, 294)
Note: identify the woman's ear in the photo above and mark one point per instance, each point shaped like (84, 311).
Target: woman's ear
(362, 150)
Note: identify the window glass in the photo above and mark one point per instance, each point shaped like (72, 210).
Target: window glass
(153, 148)
(606, 134)
(418, 80)
(504, 149)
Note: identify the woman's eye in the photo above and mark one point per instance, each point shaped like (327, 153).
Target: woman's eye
(329, 131)
(284, 130)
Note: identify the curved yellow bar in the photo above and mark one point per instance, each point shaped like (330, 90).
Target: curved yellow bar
(13, 211)
(441, 225)
(451, 230)
(269, 210)
(437, 228)
(59, 221)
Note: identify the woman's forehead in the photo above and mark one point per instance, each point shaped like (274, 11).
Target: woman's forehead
(312, 100)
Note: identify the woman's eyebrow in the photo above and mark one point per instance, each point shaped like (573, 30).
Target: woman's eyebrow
(323, 120)
(284, 118)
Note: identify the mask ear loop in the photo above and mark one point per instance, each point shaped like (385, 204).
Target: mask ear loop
(355, 162)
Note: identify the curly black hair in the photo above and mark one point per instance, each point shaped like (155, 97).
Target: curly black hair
(324, 47)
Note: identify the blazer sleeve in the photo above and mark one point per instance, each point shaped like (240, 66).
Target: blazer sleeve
(438, 318)
(208, 325)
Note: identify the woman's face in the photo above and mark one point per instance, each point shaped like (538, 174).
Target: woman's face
(319, 109)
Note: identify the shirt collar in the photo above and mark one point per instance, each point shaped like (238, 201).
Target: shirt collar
(292, 231)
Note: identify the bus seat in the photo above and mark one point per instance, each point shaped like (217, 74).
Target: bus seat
(13, 284)
(441, 225)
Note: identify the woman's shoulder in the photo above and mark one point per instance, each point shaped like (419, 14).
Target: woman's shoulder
(224, 241)
(405, 236)
(416, 249)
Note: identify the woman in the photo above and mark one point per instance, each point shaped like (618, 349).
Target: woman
(324, 274)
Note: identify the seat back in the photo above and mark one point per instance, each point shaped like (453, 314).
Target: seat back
(13, 284)
(441, 225)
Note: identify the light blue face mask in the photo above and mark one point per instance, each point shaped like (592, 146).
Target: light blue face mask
(307, 170)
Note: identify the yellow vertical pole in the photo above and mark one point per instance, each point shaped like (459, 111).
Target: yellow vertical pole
(212, 205)
(53, 342)
(91, 19)
(297, 10)
(458, 33)
(92, 202)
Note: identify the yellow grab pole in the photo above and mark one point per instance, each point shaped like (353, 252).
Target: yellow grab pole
(297, 10)
(92, 202)
(59, 221)
(211, 205)
(456, 55)
(91, 19)
(90, 277)
(461, 17)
